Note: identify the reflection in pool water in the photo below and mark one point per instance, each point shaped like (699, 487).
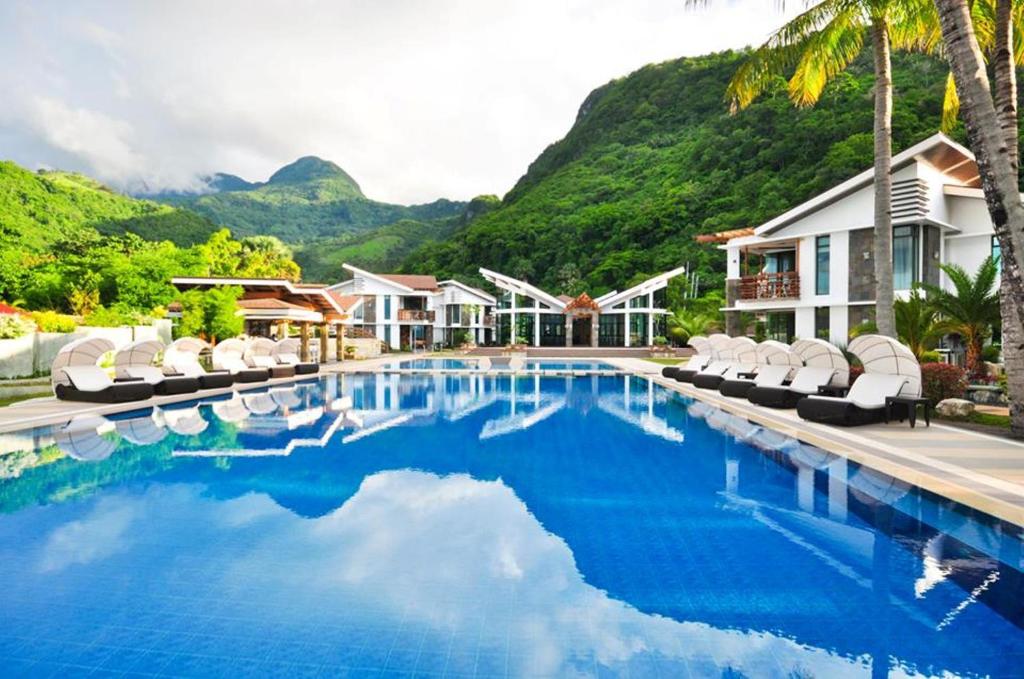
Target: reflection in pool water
(537, 526)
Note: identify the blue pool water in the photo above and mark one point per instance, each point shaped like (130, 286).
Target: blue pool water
(471, 364)
(451, 525)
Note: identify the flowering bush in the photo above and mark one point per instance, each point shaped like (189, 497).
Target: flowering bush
(15, 325)
(51, 321)
(940, 381)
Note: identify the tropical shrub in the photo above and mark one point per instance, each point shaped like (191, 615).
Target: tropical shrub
(660, 341)
(13, 326)
(940, 381)
(103, 317)
(992, 353)
(51, 321)
(918, 324)
(929, 357)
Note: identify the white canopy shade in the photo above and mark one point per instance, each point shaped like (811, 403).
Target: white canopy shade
(229, 348)
(86, 438)
(188, 345)
(743, 350)
(700, 343)
(818, 353)
(142, 430)
(261, 346)
(772, 352)
(143, 353)
(718, 342)
(84, 351)
(289, 345)
(881, 354)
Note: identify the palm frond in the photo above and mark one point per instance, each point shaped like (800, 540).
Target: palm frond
(950, 104)
(825, 54)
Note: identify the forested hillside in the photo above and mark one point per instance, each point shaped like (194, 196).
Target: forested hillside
(306, 200)
(40, 208)
(655, 158)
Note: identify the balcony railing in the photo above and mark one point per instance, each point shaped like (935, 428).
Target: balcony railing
(415, 315)
(769, 286)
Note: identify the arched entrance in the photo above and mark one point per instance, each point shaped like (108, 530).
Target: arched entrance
(584, 313)
(581, 331)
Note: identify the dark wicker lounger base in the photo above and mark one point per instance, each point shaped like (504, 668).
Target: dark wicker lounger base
(252, 375)
(121, 392)
(707, 381)
(685, 375)
(669, 371)
(841, 413)
(282, 371)
(176, 385)
(217, 379)
(306, 368)
(774, 397)
(737, 388)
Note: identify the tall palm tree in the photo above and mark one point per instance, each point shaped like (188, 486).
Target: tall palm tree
(816, 46)
(971, 308)
(994, 147)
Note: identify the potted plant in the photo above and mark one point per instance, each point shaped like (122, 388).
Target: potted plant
(660, 347)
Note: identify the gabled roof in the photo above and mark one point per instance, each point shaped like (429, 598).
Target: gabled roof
(346, 302)
(312, 293)
(937, 150)
(650, 285)
(414, 281)
(521, 287)
(470, 289)
(723, 236)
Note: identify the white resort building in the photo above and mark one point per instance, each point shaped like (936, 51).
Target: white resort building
(416, 311)
(810, 272)
(528, 315)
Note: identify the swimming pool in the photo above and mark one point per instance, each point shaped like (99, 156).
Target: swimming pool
(530, 364)
(492, 526)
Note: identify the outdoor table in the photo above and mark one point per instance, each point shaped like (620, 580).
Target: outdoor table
(911, 402)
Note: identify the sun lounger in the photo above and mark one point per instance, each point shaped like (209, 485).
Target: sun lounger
(163, 384)
(805, 382)
(286, 353)
(276, 369)
(864, 404)
(767, 376)
(228, 356)
(712, 368)
(694, 365)
(711, 381)
(91, 384)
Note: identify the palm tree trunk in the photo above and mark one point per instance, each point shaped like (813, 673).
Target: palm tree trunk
(884, 317)
(999, 180)
(1006, 109)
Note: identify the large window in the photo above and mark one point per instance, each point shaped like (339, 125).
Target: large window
(638, 302)
(387, 307)
(821, 322)
(454, 314)
(904, 257)
(821, 272)
(524, 328)
(781, 325)
(638, 330)
(997, 253)
(611, 330)
(552, 330)
(777, 262)
(387, 335)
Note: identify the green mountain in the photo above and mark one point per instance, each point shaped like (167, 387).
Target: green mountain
(655, 158)
(386, 247)
(41, 208)
(304, 201)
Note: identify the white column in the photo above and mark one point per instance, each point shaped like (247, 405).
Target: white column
(513, 314)
(650, 319)
(536, 328)
(627, 326)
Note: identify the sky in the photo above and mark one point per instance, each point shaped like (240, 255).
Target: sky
(415, 99)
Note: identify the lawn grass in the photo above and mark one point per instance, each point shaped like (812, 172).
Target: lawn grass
(8, 400)
(665, 361)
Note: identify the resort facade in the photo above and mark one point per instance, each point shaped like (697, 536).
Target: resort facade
(416, 311)
(526, 314)
(810, 271)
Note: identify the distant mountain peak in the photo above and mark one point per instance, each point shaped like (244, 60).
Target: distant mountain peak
(309, 168)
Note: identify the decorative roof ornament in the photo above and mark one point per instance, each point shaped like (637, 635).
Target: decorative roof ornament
(582, 303)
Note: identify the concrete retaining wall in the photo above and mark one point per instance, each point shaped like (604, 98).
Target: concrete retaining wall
(33, 354)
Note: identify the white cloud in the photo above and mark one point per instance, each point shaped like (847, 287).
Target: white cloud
(416, 100)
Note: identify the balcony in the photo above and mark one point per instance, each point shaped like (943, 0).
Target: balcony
(415, 316)
(768, 287)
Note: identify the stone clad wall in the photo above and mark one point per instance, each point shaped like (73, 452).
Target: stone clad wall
(861, 268)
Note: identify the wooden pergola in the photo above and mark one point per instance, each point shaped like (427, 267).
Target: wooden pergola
(273, 302)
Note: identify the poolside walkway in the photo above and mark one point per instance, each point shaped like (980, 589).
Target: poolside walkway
(980, 471)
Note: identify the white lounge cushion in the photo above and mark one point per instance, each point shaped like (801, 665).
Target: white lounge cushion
(188, 367)
(148, 373)
(288, 359)
(232, 364)
(870, 390)
(696, 362)
(734, 370)
(262, 361)
(808, 379)
(771, 375)
(716, 368)
(87, 377)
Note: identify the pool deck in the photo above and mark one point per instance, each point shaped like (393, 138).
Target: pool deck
(981, 471)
